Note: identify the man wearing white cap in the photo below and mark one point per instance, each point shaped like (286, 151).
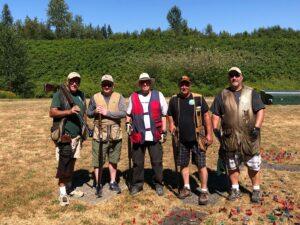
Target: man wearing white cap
(146, 125)
(69, 145)
(241, 112)
(109, 107)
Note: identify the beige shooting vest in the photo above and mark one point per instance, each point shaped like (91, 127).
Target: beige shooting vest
(237, 123)
(111, 128)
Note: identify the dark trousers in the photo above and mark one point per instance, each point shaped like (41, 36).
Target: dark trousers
(138, 157)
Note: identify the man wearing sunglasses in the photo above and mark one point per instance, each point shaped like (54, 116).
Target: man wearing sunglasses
(146, 125)
(109, 107)
(68, 148)
(188, 113)
(241, 112)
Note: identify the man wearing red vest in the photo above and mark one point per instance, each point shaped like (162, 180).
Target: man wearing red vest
(146, 111)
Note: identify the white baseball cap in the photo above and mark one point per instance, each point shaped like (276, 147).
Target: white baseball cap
(107, 77)
(235, 69)
(73, 75)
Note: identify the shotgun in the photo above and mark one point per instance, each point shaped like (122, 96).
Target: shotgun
(53, 87)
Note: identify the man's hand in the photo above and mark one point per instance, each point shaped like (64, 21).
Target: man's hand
(128, 128)
(101, 110)
(163, 137)
(217, 133)
(172, 129)
(209, 140)
(255, 133)
(75, 110)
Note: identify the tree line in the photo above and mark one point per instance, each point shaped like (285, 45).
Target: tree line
(27, 58)
(62, 24)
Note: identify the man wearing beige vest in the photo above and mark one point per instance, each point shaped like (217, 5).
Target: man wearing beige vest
(241, 112)
(109, 107)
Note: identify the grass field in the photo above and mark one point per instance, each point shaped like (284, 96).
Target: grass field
(28, 189)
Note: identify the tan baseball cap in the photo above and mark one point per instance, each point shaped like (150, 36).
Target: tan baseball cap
(235, 69)
(107, 77)
(73, 75)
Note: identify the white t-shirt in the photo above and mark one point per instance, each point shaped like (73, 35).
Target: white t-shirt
(145, 103)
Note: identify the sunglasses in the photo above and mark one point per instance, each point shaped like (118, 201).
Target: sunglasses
(74, 81)
(234, 74)
(106, 84)
(187, 84)
(147, 82)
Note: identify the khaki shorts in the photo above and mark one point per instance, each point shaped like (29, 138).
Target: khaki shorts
(76, 145)
(110, 149)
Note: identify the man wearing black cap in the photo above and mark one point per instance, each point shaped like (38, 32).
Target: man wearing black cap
(190, 121)
(241, 112)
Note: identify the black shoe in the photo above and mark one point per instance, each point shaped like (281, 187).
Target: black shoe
(99, 190)
(115, 187)
(256, 196)
(159, 189)
(234, 194)
(135, 189)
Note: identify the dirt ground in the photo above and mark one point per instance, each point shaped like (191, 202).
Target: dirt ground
(28, 189)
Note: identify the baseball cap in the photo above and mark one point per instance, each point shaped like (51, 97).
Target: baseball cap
(235, 69)
(73, 75)
(107, 77)
(185, 78)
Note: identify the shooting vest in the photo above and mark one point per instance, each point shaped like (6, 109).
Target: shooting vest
(237, 123)
(137, 113)
(111, 128)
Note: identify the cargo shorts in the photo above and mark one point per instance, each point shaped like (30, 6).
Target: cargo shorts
(234, 161)
(198, 156)
(111, 151)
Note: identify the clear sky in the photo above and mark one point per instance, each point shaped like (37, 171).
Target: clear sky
(130, 15)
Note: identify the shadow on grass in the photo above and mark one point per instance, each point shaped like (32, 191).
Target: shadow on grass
(82, 176)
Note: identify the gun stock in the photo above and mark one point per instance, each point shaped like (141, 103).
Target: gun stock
(50, 87)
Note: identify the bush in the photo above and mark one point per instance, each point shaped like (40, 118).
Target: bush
(8, 94)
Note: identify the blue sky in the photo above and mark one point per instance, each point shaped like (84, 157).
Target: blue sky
(130, 15)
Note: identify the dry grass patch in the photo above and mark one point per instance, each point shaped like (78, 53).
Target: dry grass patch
(29, 190)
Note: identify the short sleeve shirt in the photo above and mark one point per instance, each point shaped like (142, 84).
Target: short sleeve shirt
(217, 107)
(73, 124)
(186, 113)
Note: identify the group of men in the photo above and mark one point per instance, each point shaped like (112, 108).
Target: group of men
(237, 116)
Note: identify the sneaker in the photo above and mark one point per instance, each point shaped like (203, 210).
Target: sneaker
(256, 196)
(115, 187)
(184, 193)
(63, 200)
(203, 198)
(159, 189)
(76, 193)
(234, 194)
(135, 190)
(99, 191)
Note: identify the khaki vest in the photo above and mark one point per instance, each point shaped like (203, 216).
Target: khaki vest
(111, 128)
(237, 123)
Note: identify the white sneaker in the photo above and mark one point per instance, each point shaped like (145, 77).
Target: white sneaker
(76, 193)
(63, 200)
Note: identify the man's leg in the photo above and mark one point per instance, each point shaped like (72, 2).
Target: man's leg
(138, 158)
(98, 166)
(183, 162)
(156, 154)
(254, 173)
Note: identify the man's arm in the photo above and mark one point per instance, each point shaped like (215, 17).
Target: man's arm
(56, 113)
(91, 109)
(172, 127)
(259, 118)
(208, 128)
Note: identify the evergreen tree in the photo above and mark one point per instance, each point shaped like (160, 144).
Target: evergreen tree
(6, 17)
(109, 31)
(209, 30)
(174, 18)
(13, 63)
(59, 17)
(104, 31)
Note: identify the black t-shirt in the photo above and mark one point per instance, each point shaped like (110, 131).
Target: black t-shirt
(186, 115)
(217, 107)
